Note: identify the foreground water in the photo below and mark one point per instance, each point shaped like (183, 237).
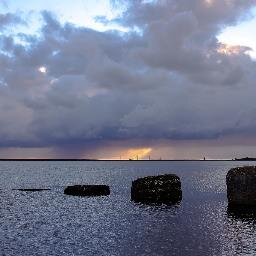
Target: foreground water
(50, 223)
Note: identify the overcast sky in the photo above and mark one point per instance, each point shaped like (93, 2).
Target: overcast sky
(104, 79)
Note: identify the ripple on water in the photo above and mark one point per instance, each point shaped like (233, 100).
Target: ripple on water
(49, 222)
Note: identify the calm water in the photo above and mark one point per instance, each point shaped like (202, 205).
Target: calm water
(50, 223)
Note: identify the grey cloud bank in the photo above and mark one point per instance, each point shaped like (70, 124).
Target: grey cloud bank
(75, 87)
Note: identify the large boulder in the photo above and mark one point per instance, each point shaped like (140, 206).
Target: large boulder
(87, 190)
(241, 186)
(162, 189)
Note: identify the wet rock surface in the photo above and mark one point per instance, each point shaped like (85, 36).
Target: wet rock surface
(87, 190)
(241, 186)
(162, 189)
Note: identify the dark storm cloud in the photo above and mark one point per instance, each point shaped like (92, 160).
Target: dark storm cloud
(172, 79)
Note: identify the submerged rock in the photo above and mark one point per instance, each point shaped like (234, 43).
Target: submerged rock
(241, 186)
(162, 189)
(32, 189)
(87, 190)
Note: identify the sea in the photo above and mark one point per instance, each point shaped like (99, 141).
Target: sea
(51, 223)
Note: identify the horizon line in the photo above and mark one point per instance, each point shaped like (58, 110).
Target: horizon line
(121, 160)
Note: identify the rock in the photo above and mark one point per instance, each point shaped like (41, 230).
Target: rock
(162, 189)
(87, 190)
(241, 186)
(32, 189)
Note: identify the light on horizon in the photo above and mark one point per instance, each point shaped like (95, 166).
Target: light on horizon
(131, 153)
(138, 153)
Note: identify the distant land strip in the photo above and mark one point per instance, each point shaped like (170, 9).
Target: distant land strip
(152, 160)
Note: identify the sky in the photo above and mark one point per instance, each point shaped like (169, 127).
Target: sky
(169, 79)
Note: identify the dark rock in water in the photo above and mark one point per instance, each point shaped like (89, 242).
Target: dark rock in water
(32, 189)
(241, 186)
(162, 189)
(87, 190)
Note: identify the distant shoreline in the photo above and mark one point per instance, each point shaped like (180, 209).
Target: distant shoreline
(142, 160)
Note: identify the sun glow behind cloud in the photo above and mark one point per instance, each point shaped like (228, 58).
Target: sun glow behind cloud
(42, 69)
(232, 49)
(241, 34)
(209, 3)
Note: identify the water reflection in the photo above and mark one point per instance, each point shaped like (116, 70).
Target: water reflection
(154, 208)
(50, 223)
(242, 213)
(241, 230)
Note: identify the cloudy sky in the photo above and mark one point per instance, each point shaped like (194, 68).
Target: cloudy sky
(103, 79)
